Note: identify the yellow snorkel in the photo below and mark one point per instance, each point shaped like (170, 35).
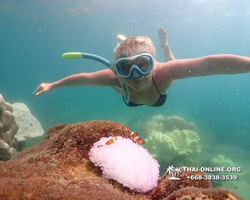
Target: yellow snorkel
(100, 59)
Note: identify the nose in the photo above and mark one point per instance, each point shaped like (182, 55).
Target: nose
(135, 74)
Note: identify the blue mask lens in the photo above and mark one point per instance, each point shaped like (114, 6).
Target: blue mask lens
(135, 66)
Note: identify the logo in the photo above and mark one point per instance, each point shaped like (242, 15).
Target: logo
(206, 175)
(173, 171)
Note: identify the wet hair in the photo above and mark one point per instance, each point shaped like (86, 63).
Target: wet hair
(134, 45)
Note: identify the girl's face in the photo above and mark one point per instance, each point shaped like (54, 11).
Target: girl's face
(135, 71)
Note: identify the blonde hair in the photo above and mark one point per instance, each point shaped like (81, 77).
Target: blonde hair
(134, 45)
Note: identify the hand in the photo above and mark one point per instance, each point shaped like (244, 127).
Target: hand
(44, 87)
(121, 37)
(162, 33)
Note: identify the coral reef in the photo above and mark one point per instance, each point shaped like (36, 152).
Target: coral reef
(59, 168)
(16, 124)
(29, 126)
(242, 184)
(168, 124)
(165, 186)
(221, 161)
(192, 193)
(171, 140)
(8, 129)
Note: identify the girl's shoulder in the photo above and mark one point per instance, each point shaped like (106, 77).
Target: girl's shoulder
(160, 68)
(161, 77)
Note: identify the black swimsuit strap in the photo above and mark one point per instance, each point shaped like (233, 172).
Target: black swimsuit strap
(156, 86)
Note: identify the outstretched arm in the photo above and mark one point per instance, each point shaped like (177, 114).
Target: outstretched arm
(168, 55)
(103, 78)
(206, 66)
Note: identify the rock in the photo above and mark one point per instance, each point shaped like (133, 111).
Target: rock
(29, 126)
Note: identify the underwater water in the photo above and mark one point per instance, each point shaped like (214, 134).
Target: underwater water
(34, 34)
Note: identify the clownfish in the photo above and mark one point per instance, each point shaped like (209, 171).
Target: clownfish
(111, 141)
(134, 136)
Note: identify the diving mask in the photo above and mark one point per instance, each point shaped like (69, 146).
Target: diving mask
(134, 66)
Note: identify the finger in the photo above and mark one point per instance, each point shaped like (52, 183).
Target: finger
(39, 93)
(121, 37)
(159, 31)
(37, 89)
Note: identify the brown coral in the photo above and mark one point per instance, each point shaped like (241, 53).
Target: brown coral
(58, 168)
(166, 186)
(192, 193)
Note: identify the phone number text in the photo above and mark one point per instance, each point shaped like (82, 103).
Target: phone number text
(213, 177)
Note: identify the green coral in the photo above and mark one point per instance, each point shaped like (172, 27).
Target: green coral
(172, 140)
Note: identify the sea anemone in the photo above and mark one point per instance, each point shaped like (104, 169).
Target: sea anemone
(126, 162)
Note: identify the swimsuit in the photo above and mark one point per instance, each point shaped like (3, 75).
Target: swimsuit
(162, 99)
